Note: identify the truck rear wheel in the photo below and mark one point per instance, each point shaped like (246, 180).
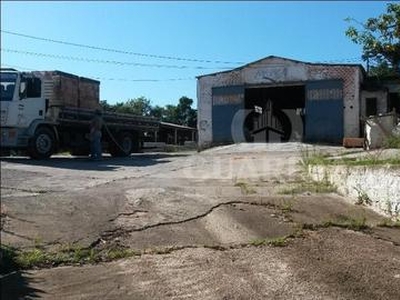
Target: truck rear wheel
(42, 144)
(125, 145)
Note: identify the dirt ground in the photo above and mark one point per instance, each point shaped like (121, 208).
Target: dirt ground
(209, 225)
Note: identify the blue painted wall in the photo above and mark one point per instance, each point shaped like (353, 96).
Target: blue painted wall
(227, 102)
(324, 111)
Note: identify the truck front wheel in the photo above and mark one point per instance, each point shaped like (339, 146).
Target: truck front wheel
(42, 144)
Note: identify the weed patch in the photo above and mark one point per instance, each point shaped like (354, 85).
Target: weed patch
(316, 158)
(31, 258)
(389, 223)
(287, 206)
(392, 141)
(309, 186)
(368, 161)
(37, 257)
(245, 188)
(362, 198)
(358, 224)
(355, 224)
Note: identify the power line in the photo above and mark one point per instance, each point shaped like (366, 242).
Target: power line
(109, 61)
(112, 79)
(348, 60)
(158, 56)
(116, 50)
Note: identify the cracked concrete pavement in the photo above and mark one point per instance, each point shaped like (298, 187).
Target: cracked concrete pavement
(193, 202)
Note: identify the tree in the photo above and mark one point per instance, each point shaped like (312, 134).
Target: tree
(139, 106)
(170, 114)
(380, 38)
(157, 112)
(186, 115)
(106, 106)
(182, 114)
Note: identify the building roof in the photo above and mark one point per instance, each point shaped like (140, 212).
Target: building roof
(282, 58)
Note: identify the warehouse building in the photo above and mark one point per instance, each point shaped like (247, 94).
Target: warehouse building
(277, 99)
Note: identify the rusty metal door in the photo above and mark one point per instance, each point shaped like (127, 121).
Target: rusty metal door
(324, 111)
(227, 114)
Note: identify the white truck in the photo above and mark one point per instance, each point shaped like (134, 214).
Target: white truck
(45, 112)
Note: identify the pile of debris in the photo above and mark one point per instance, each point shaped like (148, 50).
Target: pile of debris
(379, 128)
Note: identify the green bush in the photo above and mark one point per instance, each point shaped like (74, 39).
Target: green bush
(392, 141)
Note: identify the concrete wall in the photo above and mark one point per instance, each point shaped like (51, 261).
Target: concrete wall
(378, 185)
(273, 71)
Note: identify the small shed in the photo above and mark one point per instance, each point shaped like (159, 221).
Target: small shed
(171, 134)
(380, 95)
(176, 134)
(277, 99)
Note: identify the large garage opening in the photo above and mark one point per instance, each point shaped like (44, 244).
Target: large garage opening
(275, 114)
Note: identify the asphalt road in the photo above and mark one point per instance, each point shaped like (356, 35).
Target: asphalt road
(197, 222)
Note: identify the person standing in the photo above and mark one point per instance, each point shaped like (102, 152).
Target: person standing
(95, 136)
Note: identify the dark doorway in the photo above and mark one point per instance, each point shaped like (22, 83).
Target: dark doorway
(371, 106)
(394, 102)
(275, 113)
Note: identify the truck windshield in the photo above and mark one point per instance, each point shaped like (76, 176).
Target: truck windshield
(7, 81)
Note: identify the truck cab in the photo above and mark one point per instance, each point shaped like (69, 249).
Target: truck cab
(22, 107)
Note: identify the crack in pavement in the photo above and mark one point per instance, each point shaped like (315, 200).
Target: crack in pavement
(375, 236)
(30, 190)
(111, 234)
(17, 235)
(367, 231)
(268, 242)
(7, 215)
(128, 214)
(117, 232)
(264, 242)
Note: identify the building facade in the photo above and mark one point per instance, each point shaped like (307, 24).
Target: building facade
(278, 99)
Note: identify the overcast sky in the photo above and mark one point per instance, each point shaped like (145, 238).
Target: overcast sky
(162, 46)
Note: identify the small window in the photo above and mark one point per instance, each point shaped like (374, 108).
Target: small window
(371, 106)
(33, 87)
